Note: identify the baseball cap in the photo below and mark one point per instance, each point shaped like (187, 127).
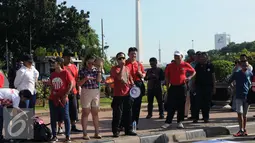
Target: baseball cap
(68, 53)
(27, 58)
(57, 59)
(191, 52)
(178, 53)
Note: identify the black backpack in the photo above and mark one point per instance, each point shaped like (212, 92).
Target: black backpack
(41, 132)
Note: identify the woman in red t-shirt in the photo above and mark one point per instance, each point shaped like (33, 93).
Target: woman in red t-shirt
(61, 86)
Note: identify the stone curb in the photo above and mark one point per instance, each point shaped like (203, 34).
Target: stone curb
(210, 132)
(170, 136)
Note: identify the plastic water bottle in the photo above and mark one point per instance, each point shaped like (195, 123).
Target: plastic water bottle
(134, 126)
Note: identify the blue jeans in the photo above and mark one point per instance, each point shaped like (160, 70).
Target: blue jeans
(59, 112)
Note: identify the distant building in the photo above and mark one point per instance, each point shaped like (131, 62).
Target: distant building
(221, 40)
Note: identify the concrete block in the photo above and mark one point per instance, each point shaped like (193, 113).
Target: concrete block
(190, 135)
(157, 138)
(100, 141)
(216, 131)
(176, 136)
(129, 139)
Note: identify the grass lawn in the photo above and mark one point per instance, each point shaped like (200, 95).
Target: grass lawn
(104, 102)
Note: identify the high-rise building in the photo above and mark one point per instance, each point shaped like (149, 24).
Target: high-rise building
(221, 40)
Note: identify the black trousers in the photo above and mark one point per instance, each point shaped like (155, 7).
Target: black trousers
(73, 111)
(156, 92)
(176, 102)
(202, 101)
(136, 108)
(192, 103)
(122, 112)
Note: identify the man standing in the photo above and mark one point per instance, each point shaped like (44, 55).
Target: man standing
(243, 84)
(175, 75)
(154, 76)
(122, 102)
(205, 87)
(137, 73)
(72, 69)
(192, 58)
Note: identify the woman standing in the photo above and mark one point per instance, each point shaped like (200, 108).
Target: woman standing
(61, 86)
(90, 76)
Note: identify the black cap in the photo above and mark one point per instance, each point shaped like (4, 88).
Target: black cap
(57, 59)
(27, 58)
(68, 53)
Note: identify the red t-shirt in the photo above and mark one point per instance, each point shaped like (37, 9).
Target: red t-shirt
(59, 82)
(72, 69)
(176, 74)
(134, 67)
(1, 80)
(121, 88)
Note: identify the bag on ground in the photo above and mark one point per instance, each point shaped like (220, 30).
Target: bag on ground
(41, 132)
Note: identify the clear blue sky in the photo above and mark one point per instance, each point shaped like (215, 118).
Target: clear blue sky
(174, 22)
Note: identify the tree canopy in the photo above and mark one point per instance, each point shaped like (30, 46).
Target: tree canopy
(52, 27)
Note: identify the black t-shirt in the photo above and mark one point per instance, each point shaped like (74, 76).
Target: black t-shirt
(204, 74)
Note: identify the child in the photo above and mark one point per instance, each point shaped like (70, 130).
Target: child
(243, 83)
(12, 97)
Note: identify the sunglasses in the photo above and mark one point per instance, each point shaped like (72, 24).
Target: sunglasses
(121, 58)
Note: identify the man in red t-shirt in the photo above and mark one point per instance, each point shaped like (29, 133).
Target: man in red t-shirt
(121, 104)
(137, 73)
(72, 69)
(175, 76)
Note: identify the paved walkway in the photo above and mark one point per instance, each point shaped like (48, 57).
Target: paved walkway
(147, 126)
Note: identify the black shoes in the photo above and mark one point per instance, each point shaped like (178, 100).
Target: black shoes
(117, 134)
(148, 116)
(74, 129)
(130, 133)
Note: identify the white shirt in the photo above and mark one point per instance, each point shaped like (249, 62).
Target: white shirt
(25, 79)
(36, 73)
(9, 96)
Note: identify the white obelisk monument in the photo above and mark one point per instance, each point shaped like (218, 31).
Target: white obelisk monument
(139, 45)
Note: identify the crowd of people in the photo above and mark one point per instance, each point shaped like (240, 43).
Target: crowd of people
(190, 87)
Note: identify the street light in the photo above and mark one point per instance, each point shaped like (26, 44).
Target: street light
(95, 46)
(83, 47)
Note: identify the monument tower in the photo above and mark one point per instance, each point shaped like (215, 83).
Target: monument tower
(139, 44)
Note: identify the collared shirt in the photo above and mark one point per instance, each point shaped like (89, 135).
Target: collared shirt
(134, 68)
(154, 77)
(243, 83)
(90, 84)
(25, 79)
(204, 74)
(176, 74)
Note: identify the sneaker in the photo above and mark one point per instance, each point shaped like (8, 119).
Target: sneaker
(68, 140)
(245, 132)
(239, 134)
(148, 116)
(54, 139)
(86, 137)
(165, 126)
(60, 131)
(180, 126)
